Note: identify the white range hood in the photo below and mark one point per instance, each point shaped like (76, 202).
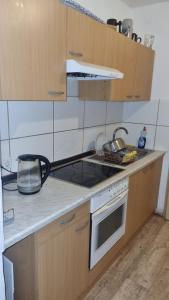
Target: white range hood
(80, 70)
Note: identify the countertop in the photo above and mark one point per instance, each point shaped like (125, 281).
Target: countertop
(57, 197)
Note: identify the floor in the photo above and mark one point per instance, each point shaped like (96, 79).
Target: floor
(142, 269)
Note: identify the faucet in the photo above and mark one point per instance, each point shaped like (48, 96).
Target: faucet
(99, 143)
(117, 129)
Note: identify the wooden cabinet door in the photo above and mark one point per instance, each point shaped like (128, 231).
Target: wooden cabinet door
(79, 259)
(85, 38)
(144, 73)
(120, 56)
(62, 262)
(143, 195)
(79, 36)
(98, 43)
(33, 50)
(125, 61)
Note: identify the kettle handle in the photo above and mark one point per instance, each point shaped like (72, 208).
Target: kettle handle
(47, 165)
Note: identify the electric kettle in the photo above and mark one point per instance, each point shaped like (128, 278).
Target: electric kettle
(31, 174)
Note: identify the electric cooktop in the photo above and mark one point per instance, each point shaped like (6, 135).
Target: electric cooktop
(84, 173)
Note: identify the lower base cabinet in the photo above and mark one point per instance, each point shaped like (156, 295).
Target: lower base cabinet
(142, 200)
(52, 264)
(143, 196)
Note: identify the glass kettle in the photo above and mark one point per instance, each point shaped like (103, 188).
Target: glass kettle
(31, 174)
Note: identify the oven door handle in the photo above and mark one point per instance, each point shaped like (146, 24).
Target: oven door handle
(110, 204)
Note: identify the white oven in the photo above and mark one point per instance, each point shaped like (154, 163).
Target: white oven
(108, 222)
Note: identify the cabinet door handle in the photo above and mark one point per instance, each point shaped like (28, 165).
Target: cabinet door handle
(137, 96)
(54, 93)
(129, 96)
(82, 227)
(77, 54)
(64, 222)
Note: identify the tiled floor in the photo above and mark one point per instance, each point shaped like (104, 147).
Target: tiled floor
(142, 269)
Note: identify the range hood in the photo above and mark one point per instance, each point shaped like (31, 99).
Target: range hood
(80, 70)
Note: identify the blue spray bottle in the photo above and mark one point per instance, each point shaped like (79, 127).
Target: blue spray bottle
(142, 138)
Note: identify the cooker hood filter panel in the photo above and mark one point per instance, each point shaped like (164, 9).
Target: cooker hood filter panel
(84, 71)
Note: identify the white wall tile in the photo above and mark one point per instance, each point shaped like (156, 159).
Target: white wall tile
(30, 118)
(72, 88)
(163, 184)
(110, 129)
(42, 144)
(90, 135)
(141, 112)
(67, 143)
(5, 156)
(3, 121)
(68, 115)
(162, 143)
(114, 112)
(95, 113)
(134, 134)
(163, 116)
(162, 138)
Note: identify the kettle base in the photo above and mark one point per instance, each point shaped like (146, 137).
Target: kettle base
(29, 191)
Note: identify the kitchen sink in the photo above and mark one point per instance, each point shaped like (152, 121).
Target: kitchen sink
(118, 157)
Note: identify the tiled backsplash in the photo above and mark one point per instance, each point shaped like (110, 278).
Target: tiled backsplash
(54, 129)
(62, 129)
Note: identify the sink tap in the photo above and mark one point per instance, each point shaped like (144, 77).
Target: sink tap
(117, 129)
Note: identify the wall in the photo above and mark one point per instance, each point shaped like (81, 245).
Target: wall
(55, 129)
(108, 8)
(59, 130)
(154, 19)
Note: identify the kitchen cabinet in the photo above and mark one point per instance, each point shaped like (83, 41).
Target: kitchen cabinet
(135, 61)
(144, 73)
(125, 61)
(33, 50)
(79, 36)
(143, 196)
(85, 38)
(53, 263)
(142, 199)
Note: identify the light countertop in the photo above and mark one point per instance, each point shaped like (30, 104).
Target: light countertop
(57, 197)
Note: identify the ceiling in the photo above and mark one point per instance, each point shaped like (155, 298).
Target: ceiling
(136, 3)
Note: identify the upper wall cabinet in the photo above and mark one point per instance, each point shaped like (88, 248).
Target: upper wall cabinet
(134, 60)
(85, 38)
(143, 73)
(32, 50)
(79, 36)
(125, 61)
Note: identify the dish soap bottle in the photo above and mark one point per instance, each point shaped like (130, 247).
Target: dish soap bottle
(142, 138)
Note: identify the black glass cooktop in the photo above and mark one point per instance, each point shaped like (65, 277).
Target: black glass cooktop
(85, 173)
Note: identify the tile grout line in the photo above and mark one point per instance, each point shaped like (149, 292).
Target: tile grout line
(53, 131)
(156, 124)
(84, 111)
(9, 144)
(48, 133)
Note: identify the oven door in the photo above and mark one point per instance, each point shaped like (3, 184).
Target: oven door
(107, 227)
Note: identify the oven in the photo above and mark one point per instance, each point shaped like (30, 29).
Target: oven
(107, 224)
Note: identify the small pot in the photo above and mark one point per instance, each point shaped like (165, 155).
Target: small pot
(114, 146)
(118, 144)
